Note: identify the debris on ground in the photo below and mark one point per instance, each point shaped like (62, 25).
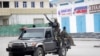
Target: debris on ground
(97, 46)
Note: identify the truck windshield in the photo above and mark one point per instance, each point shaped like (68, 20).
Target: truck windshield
(33, 34)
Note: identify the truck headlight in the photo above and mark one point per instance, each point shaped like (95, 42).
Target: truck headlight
(31, 44)
(10, 44)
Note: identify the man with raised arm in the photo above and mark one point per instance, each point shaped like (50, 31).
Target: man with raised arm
(55, 25)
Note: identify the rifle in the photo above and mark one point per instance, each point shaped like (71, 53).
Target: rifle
(50, 22)
(48, 18)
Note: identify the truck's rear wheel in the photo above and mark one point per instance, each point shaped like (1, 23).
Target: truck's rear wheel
(62, 50)
(39, 52)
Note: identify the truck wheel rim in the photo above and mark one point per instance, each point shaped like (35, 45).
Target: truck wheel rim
(60, 44)
(63, 51)
(40, 53)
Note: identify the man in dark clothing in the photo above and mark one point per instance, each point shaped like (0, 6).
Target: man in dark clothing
(54, 25)
(65, 36)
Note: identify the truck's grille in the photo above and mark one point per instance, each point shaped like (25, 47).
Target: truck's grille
(17, 49)
(18, 45)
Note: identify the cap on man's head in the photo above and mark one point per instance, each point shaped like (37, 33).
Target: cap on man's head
(64, 27)
(55, 19)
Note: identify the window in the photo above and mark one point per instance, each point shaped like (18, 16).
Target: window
(33, 33)
(63, 4)
(0, 4)
(38, 21)
(41, 4)
(24, 4)
(48, 34)
(5, 4)
(5, 21)
(32, 4)
(79, 1)
(51, 5)
(16, 4)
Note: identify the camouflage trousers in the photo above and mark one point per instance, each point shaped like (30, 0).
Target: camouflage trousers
(71, 41)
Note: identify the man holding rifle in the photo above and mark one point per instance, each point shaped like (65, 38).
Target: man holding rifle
(56, 28)
(55, 25)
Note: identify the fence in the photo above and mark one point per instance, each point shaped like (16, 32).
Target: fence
(13, 30)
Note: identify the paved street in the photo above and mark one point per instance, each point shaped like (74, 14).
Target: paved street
(84, 47)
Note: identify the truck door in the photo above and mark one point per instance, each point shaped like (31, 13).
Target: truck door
(49, 43)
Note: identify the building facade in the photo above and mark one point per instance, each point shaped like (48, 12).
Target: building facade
(80, 16)
(25, 11)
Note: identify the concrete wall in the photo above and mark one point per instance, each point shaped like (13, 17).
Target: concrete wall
(28, 18)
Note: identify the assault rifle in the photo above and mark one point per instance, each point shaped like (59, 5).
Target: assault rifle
(50, 22)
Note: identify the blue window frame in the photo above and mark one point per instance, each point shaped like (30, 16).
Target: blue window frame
(41, 4)
(16, 4)
(32, 4)
(24, 4)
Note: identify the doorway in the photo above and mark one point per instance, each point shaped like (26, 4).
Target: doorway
(66, 23)
(81, 23)
(97, 22)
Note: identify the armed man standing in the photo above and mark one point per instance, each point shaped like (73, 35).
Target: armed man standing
(55, 25)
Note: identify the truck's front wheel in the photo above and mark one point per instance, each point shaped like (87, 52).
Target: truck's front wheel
(39, 52)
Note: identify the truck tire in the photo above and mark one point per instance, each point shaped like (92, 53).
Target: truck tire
(10, 54)
(62, 50)
(38, 52)
(15, 54)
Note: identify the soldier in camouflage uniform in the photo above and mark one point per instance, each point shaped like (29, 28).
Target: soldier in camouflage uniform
(56, 29)
(65, 36)
(55, 25)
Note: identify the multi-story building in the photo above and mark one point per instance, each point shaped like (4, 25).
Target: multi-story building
(25, 11)
(79, 16)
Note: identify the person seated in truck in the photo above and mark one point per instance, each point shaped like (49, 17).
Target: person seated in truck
(65, 36)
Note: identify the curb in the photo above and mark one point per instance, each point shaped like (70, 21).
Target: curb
(86, 39)
(97, 46)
